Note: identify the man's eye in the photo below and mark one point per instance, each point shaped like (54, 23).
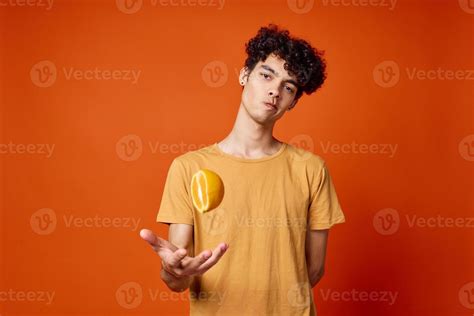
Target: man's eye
(265, 75)
(289, 89)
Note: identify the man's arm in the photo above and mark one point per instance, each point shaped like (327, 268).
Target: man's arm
(316, 243)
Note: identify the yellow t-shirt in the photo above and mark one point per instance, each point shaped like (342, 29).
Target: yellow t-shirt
(268, 205)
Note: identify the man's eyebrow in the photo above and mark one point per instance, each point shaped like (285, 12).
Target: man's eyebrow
(266, 67)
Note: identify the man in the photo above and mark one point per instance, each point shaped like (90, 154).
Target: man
(271, 229)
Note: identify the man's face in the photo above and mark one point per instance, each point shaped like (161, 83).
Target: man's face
(269, 82)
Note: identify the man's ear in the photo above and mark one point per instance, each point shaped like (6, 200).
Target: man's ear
(243, 76)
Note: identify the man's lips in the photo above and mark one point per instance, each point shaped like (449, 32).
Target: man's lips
(271, 105)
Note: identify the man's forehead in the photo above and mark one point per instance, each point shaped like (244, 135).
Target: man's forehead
(279, 73)
(275, 65)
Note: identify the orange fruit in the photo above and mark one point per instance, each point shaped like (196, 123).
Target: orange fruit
(207, 190)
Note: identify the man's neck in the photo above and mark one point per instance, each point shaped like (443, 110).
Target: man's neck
(250, 139)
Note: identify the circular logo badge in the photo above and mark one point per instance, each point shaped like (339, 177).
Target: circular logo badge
(216, 221)
(305, 142)
(466, 295)
(386, 221)
(43, 221)
(129, 147)
(299, 294)
(467, 6)
(215, 74)
(43, 74)
(129, 295)
(129, 6)
(300, 6)
(386, 74)
(466, 148)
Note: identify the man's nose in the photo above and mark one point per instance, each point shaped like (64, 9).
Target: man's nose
(273, 93)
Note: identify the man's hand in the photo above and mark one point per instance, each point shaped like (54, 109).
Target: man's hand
(175, 260)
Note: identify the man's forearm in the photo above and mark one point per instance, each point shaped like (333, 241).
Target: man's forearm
(315, 277)
(175, 284)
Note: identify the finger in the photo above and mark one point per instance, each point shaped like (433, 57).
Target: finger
(156, 241)
(162, 247)
(166, 244)
(215, 257)
(148, 236)
(194, 263)
(174, 260)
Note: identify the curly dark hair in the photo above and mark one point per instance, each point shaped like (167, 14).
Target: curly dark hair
(301, 59)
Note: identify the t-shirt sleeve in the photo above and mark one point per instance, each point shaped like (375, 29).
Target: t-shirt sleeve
(176, 204)
(324, 208)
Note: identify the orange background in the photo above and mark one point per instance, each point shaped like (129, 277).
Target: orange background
(90, 122)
